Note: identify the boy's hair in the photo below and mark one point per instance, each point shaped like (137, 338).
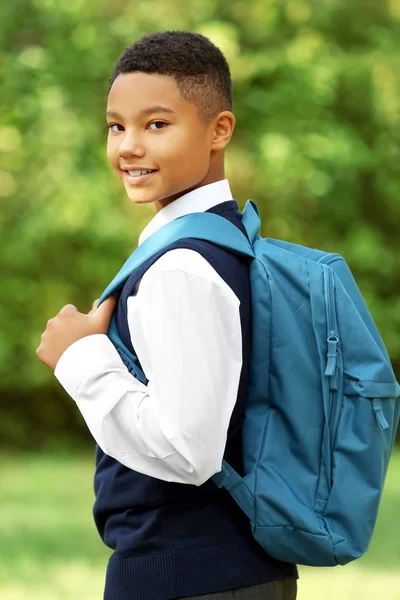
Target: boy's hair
(199, 68)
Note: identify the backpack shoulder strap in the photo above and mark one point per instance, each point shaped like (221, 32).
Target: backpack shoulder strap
(203, 226)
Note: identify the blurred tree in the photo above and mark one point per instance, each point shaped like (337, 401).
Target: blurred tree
(317, 98)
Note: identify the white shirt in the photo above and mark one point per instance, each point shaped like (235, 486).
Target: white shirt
(184, 324)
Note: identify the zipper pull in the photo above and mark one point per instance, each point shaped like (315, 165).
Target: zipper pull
(334, 380)
(332, 355)
(380, 417)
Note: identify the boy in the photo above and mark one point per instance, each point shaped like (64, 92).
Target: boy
(174, 533)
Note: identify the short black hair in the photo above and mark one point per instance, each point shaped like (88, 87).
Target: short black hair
(200, 70)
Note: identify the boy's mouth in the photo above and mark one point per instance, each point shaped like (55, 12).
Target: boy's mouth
(138, 176)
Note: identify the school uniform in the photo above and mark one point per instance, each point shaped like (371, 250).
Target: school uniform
(175, 534)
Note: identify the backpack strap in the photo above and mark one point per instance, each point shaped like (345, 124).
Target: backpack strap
(203, 226)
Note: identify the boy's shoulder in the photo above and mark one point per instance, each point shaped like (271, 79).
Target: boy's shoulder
(185, 261)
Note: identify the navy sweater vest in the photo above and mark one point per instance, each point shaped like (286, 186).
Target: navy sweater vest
(172, 540)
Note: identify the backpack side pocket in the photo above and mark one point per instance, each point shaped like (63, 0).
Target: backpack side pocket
(362, 431)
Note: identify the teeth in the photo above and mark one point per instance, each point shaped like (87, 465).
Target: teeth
(137, 173)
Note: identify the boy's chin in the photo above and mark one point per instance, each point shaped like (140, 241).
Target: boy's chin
(140, 198)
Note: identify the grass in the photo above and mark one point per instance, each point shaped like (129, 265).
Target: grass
(50, 550)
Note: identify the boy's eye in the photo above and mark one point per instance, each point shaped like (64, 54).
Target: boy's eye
(157, 125)
(114, 127)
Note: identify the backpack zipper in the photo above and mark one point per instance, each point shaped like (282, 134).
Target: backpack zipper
(333, 360)
(334, 363)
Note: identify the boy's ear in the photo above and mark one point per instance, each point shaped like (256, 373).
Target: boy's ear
(223, 126)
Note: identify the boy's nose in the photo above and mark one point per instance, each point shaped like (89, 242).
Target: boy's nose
(127, 150)
(129, 146)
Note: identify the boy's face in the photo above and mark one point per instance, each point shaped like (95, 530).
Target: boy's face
(151, 127)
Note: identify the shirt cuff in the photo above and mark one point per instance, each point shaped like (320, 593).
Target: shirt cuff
(85, 358)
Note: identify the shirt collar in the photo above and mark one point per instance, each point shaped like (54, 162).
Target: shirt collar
(199, 200)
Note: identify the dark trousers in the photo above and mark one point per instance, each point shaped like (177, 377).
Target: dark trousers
(283, 589)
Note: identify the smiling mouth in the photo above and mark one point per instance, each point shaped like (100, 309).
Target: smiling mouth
(138, 177)
(137, 172)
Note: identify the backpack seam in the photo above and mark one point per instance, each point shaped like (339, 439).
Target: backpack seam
(268, 414)
(330, 258)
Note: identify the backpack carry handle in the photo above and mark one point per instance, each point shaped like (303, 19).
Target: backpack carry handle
(251, 220)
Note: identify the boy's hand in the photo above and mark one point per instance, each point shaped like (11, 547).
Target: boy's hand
(69, 326)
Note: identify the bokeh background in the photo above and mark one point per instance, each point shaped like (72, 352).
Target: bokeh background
(317, 145)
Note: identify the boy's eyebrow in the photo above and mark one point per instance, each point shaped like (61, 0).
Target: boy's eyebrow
(143, 113)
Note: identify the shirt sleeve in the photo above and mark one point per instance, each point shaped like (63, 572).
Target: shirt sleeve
(185, 328)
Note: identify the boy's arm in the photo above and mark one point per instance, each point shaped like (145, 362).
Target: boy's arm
(185, 328)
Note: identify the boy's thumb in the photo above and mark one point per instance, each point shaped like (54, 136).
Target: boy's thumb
(104, 312)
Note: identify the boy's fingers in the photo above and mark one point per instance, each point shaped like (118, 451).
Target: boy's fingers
(67, 308)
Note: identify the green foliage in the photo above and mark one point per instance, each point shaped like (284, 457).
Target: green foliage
(317, 98)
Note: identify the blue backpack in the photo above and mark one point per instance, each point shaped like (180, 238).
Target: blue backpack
(323, 402)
